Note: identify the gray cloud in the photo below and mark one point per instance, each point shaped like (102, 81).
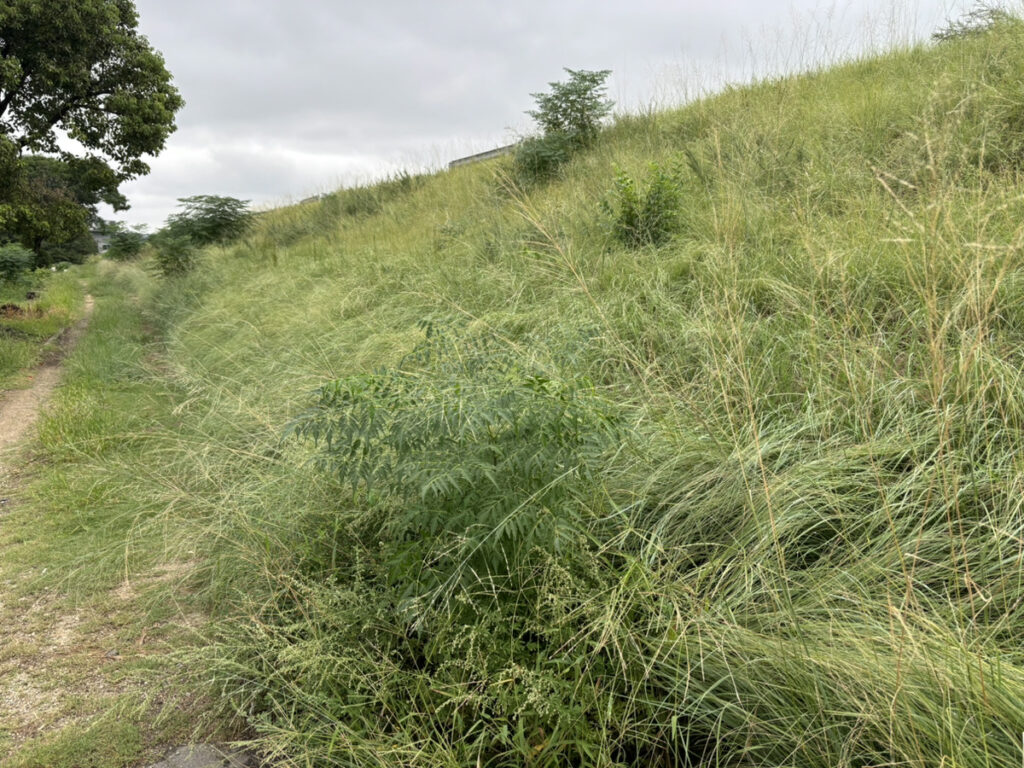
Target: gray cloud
(288, 98)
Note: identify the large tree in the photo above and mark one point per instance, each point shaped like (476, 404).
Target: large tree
(50, 205)
(81, 68)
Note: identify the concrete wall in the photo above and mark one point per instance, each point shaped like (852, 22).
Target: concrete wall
(498, 152)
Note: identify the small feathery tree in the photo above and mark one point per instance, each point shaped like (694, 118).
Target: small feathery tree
(206, 219)
(569, 117)
(574, 108)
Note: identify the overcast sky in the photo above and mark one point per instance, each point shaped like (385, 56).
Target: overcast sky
(288, 98)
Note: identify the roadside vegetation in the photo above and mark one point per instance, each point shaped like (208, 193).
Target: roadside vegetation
(87, 674)
(35, 306)
(704, 448)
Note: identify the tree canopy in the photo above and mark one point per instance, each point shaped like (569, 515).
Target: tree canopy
(49, 204)
(206, 219)
(574, 108)
(81, 67)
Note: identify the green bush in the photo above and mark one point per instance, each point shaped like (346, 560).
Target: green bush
(478, 454)
(644, 217)
(175, 255)
(125, 244)
(574, 108)
(14, 260)
(538, 159)
(207, 219)
(569, 117)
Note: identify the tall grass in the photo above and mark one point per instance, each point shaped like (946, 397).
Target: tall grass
(802, 543)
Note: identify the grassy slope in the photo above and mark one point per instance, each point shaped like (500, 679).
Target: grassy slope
(807, 549)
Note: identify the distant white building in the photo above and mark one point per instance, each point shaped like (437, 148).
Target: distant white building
(102, 241)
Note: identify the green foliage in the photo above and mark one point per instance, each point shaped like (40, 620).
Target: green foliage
(538, 159)
(77, 68)
(88, 181)
(208, 219)
(14, 261)
(73, 251)
(809, 551)
(644, 216)
(478, 453)
(574, 108)
(569, 117)
(175, 255)
(49, 204)
(125, 244)
(9, 173)
(81, 67)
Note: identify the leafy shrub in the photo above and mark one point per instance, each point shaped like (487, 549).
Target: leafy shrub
(175, 255)
(477, 453)
(207, 219)
(574, 108)
(537, 159)
(570, 117)
(74, 251)
(14, 260)
(125, 244)
(644, 217)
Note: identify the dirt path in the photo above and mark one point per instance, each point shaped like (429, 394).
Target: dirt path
(20, 700)
(60, 659)
(19, 408)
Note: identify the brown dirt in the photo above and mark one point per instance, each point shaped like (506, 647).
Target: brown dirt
(12, 311)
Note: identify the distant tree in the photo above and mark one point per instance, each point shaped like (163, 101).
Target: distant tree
(81, 67)
(77, 68)
(574, 108)
(125, 242)
(206, 219)
(50, 204)
(569, 116)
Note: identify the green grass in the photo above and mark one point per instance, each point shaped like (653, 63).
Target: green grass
(31, 326)
(803, 546)
(108, 743)
(79, 584)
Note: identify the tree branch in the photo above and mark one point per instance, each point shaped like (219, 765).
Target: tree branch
(54, 119)
(5, 102)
